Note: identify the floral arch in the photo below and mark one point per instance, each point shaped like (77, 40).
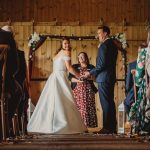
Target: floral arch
(36, 40)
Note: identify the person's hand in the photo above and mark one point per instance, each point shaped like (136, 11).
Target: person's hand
(133, 71)
(76, 73)
(80, 81)
(82, 78)
(86, 74)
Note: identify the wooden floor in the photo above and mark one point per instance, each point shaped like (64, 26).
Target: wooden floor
(86, 141)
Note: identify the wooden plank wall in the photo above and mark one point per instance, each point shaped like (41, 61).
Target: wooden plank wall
(75, 10)
(42, 66)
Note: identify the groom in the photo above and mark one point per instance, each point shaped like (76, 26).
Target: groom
(105, 73)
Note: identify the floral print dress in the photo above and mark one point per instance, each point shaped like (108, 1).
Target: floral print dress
(85, 100)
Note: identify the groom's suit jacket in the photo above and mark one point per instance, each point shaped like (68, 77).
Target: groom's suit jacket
(105, 70)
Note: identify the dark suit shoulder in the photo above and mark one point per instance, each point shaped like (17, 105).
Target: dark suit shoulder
(91, 66)
(132, 65)
(5, 32)
(103, 45)
(20, 52)
(5, 37)
(110, 42)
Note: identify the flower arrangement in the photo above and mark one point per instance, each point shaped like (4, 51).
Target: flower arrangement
(147, 26)
(33, 40)
(121, 38)
(36, 38)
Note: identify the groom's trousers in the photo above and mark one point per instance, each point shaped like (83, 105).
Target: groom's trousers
(106, 93)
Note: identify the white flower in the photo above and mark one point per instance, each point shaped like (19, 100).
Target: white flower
(34, 40)
(121, 38)
(35, 37)
(124, 45)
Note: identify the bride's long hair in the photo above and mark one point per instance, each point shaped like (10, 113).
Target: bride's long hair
(61, 42)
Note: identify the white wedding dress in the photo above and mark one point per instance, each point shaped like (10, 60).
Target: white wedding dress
(56, 111)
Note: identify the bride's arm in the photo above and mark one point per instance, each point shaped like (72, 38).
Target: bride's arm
(75, 80)
(69, 66)
(71, 69)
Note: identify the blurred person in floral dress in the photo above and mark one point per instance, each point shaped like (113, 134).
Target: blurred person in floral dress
(140, 110)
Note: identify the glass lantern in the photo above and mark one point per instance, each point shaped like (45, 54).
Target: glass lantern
(121, 118)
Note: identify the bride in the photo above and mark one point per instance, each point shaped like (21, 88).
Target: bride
(56, 111)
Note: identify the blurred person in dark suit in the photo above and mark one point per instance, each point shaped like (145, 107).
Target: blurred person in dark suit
(21, 77)
(11, 88)
(130, 98)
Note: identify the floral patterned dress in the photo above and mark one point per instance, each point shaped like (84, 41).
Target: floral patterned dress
(85, 100)
(137, 112)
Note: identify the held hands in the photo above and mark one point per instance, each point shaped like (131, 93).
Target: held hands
(85, 76)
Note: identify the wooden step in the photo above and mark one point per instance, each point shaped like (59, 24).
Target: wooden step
(77, 142)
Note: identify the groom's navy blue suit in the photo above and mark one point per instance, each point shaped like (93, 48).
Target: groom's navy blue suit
(105, 73)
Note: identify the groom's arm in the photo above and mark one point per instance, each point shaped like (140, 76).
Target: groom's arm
(100, 61)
